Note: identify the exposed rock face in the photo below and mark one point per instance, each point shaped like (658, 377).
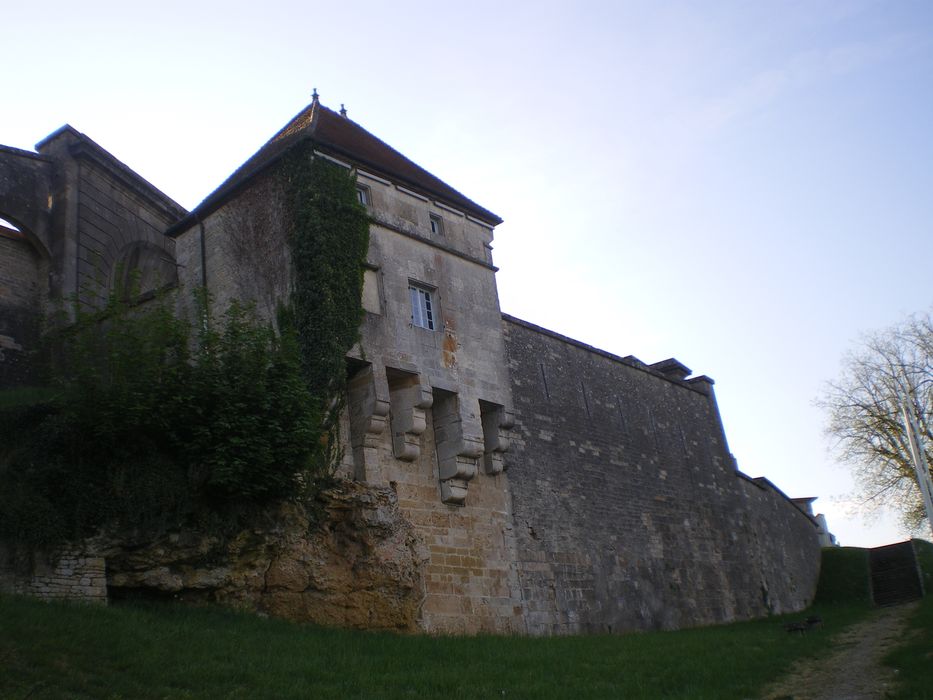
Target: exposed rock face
(360, 564)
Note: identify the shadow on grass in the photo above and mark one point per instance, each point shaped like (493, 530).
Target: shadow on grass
(51, 650)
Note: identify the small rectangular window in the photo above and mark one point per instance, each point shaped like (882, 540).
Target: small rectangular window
(437, 224)
(362, 194)
(422, 307)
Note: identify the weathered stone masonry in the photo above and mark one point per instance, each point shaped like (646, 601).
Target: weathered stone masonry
(428, 408)
(629, 513)
(85, 224)
(498, 477)
(63, 574)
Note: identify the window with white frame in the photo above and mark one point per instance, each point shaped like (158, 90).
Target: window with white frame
(437, 224)
(362, 194)
(422, 306)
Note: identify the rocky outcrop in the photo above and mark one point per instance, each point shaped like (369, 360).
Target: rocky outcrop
(358, 563)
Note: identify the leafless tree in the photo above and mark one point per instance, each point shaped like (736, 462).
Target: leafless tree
(864, 414)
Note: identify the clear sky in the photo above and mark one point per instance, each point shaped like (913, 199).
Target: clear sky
(745, 186)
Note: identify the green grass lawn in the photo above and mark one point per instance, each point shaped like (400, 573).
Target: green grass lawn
(50, 650)
(914, 660)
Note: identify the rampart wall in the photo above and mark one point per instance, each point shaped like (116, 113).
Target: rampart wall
(629, 513)
(621, 507)
(415, 394)
(119, 231)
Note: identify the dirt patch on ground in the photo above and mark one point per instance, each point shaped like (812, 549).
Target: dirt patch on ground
(853, 670)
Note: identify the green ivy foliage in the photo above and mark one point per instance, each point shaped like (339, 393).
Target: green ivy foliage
(254, 428)
(150, 424)
(328, 234)
(147, 426)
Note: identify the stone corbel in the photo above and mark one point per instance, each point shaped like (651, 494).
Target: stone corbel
(368, 403)
(458, 437)
(497, 426)
(409, 399)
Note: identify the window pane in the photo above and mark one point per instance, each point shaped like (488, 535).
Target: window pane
(415, 307)
(428, 313)
(422, 308)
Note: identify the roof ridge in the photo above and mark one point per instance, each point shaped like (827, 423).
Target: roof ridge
(466, 200)
(288, 130)
(338, 133)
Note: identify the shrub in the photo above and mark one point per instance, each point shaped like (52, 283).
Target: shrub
(146, 425)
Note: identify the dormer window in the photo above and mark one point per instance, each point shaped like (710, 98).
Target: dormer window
(362, 194)
(437, 225)
(422, 306)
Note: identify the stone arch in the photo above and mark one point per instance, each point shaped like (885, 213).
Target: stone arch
(24, 280)
(143, 269)
(26, 195)
(11, 226)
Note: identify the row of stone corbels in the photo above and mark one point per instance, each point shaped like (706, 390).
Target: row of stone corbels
(464, 430)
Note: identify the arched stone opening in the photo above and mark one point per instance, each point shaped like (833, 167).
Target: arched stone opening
(142, 270)
(24, 293)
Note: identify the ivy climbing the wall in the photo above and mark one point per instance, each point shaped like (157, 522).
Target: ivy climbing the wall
(328, 234)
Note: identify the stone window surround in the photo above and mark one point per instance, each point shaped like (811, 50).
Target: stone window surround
(364, 195)
(436, 223)
(423, 305)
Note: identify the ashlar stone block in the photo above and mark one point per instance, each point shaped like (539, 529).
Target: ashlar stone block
(458, 435)
(497, 425)
(368, 401)
(408, 398)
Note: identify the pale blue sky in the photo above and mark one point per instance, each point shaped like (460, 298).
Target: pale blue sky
(742, 185)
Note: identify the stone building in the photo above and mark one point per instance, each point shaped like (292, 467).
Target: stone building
(555, 488)
(80, 217)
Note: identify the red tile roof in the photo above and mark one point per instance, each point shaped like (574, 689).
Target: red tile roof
(343, 138)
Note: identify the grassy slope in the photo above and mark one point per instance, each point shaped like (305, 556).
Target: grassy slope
(924, 552)
(914, 660)
(844, 576)
(72, 651)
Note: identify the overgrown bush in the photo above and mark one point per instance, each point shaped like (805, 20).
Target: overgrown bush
(146, 425)
(253, 426)
(328, 236)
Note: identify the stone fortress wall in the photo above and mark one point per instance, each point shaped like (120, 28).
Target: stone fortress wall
(628, 509)
(423, 404)
(84, 223)
(115, 218)
(445, 391)
(552, 487)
